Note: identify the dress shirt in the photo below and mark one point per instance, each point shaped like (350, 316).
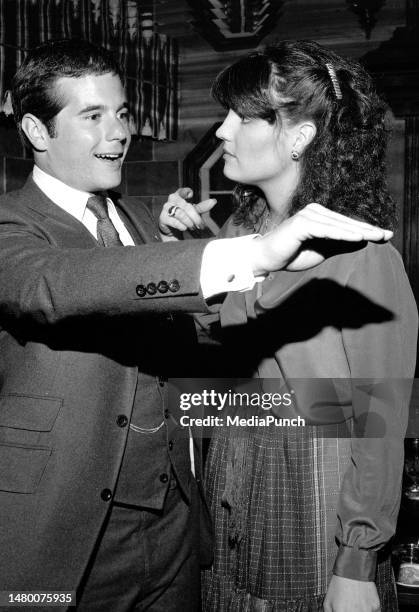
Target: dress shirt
(74, 202)
(225, 266)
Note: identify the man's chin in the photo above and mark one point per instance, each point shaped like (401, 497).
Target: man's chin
(110, 182)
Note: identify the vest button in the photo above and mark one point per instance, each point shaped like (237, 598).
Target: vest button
(164, 478)
(122, 420)
(171, 445)
(106, 494)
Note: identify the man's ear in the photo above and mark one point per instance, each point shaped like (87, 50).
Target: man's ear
(35, 131)
(305, 133)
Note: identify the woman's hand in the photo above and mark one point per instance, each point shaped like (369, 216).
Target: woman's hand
(178, 214)
(346, 595)
(304, 240)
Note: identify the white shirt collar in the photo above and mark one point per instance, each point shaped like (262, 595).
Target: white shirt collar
(69, 199)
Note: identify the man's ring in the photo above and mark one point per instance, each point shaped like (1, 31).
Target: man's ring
(172, 211)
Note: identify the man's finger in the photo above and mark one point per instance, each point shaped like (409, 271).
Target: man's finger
(347, 232)
(320, 213)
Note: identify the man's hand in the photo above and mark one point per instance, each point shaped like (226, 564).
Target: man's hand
(346, 595)
(293, 245)
(186, 216)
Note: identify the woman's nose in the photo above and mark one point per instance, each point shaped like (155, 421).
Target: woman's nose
(224, 131)
(220, 132)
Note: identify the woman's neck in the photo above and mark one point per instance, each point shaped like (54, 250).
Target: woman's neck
(278, 203)
(279, 193)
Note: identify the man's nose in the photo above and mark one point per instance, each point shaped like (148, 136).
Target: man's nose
(117, 129)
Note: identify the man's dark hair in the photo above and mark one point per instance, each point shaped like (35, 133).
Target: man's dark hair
(33, 86)
(343, 167)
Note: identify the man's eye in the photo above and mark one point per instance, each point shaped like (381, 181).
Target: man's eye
(124, 116)
(93, 117)
(245, 119)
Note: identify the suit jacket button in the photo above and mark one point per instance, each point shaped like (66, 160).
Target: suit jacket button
(164, 478)
(140, 290)
(106, 494)
(122, 420)
(171, 445)
(151, 288)
(163, 287)
(174, 286)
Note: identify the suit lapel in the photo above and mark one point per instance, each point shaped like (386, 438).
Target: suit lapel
(66, 230)
(69, 232)
(137, 218)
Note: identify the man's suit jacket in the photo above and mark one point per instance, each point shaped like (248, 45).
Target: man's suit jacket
(71, 346)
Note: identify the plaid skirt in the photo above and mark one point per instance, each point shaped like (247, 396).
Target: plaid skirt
(283, 562)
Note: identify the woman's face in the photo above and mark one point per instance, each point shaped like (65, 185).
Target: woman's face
(255, 151)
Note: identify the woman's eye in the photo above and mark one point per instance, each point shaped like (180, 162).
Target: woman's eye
(245, 119)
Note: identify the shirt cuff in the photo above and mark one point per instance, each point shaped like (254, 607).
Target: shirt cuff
(227, 266)
(355, 563)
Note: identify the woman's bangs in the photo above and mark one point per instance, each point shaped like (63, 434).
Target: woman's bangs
(243, 87)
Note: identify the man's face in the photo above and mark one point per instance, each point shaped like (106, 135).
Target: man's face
(91, 133)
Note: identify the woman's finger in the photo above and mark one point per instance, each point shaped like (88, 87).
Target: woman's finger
(171, 224)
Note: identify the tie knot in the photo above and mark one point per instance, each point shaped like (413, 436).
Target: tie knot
(97, 204)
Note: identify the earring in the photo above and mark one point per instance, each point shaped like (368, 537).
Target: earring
(295, 155)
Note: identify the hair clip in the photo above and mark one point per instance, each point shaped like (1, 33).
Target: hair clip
(335, 82)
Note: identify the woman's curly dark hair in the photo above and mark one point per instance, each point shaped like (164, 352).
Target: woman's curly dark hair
(343, 167)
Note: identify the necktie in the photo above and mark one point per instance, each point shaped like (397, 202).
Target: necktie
(106, 233)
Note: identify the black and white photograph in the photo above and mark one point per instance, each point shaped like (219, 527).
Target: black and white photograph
(209, 277)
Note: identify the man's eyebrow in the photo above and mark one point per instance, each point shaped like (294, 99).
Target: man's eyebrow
(92, 107)
(100, 107)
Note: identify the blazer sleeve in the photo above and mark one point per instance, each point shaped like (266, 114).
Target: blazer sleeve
(208, 324)
(381, 358)
(48, 283)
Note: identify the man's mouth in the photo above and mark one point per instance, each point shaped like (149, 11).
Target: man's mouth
(109, 156)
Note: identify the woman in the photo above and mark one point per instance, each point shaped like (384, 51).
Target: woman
(302, 520)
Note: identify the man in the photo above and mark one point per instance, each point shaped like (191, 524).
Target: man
(96, 491)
